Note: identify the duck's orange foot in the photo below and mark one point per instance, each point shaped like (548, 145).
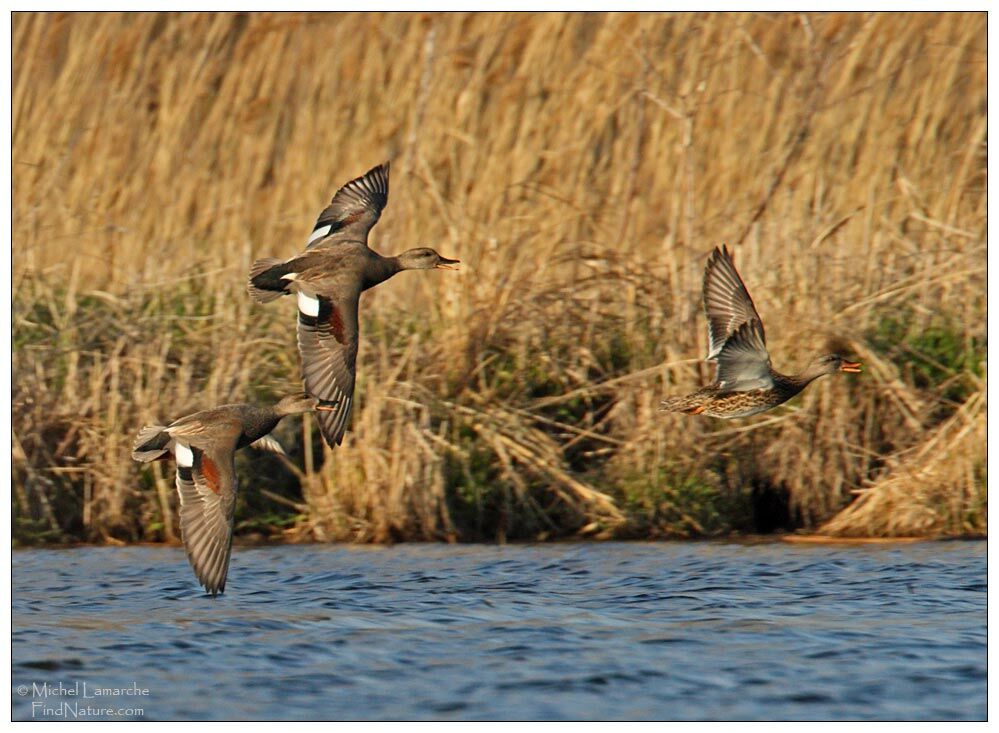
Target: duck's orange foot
(695, 410)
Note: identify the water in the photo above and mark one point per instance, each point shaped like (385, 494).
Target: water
(684, 631)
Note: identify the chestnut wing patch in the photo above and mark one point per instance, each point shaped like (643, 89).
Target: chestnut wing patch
(210, 471)
(328, 346)
(207, 505)
(328, 322)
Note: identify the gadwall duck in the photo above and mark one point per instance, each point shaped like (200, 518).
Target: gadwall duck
(745, 382)
(328, 279)
(204, 445)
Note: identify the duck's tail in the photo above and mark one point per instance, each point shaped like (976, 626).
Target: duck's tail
(267, 280)
(151, 444)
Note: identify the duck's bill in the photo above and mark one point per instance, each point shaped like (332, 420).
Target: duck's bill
(851, 366)
(327, 405)
(446, 264)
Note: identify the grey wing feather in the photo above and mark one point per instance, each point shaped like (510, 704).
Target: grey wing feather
(727, 303)
(207, 506)
(268, 443)
(355, 208)
(744, 363)
(217, 425)
(328, 346)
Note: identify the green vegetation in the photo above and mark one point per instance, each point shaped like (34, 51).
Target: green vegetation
(676, 502)
(938, 354)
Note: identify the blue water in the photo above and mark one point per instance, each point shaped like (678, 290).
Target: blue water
(678, 631)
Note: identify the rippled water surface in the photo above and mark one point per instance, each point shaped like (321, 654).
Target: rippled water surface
(562, 631)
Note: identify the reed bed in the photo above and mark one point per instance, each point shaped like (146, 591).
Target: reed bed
(581, 166)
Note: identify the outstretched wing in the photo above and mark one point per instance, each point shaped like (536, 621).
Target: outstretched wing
(744, 363)
(207, 504)
(327, 342)
(355, 208)
(726, 301)
(204, 445)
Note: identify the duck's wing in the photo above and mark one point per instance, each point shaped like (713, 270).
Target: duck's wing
(269, 443)
(744, 363)
(327, 342)
(355, 208)
(726, 301)
(206, 482)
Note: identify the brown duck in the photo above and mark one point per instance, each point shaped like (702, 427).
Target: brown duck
(204, 445)
(328, 279)
(745, 382)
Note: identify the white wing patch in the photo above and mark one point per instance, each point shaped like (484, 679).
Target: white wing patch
(320, 232)
(185, 456)
(308, 304)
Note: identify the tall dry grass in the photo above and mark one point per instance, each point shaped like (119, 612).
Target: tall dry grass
(581, 166)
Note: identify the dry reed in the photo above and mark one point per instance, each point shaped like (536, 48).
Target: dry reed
(581, 166)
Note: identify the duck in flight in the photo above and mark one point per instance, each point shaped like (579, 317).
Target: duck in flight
(327, 280)
(204, 445)
(745, 382)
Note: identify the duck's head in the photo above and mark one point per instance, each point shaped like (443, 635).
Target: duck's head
(424, 258)
(296, 404)
(832, 363)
